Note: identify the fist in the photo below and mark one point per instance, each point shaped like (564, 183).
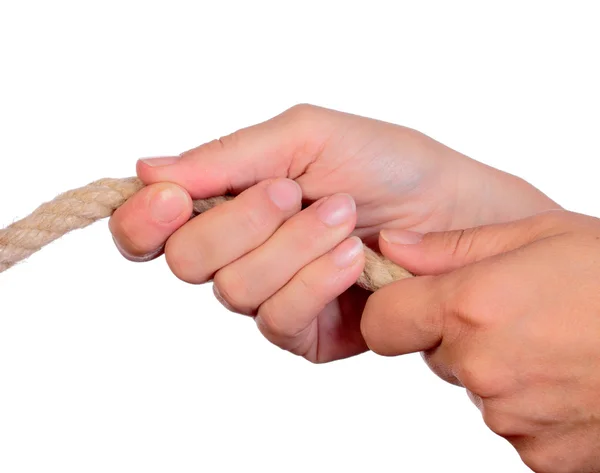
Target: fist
(306, 183)
(512, 313)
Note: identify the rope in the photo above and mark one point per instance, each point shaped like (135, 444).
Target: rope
(81, 207)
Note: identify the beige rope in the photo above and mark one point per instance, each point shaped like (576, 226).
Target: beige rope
(81, 207)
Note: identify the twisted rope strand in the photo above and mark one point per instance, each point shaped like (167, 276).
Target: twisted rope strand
(81, 207)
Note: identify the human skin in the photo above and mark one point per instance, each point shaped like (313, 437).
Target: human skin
(290, 267)
(512, 313)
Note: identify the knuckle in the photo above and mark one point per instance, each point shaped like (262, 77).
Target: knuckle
(463, 301)
(311, 126)
(231, 140)
(305, 242)
(176, 261)
(551, 222)
(255, 220)
(301, 111)
(115, 223)
(469, 305)
(460, 242)
(542, 459)
(535, 460)
(181, 263)
(479, 376)
(232, 290)
(278, 329)
(216, 145)
(227, 141)
(305, 285)
(429, 321)
(124, 236)
(309, 234)
(561, 222)
(302, 236)
(498, 423)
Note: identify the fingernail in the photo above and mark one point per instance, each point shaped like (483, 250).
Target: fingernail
(168, 204)
(161, 161)
(336, 209)
(284, 193)
(347, 252)
(401, 237)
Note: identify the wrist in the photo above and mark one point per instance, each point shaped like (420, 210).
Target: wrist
(497, 196)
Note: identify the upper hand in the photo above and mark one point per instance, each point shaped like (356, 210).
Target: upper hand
(294, 268)
(512, 313)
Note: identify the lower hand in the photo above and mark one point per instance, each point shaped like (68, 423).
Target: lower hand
(512, 313)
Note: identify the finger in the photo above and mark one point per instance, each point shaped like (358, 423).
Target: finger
(249, 281)
(227, 232)
(440, 252)
(289, 318)
(141, 226)
(281, 147)
(405, 317)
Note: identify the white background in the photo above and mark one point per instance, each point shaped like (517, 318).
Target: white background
(107, 365)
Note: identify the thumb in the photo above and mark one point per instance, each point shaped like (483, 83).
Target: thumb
(406, 316)
(441, 252)
(279, 147)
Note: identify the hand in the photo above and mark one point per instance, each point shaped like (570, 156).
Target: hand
(292, 268)
(512, 313)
